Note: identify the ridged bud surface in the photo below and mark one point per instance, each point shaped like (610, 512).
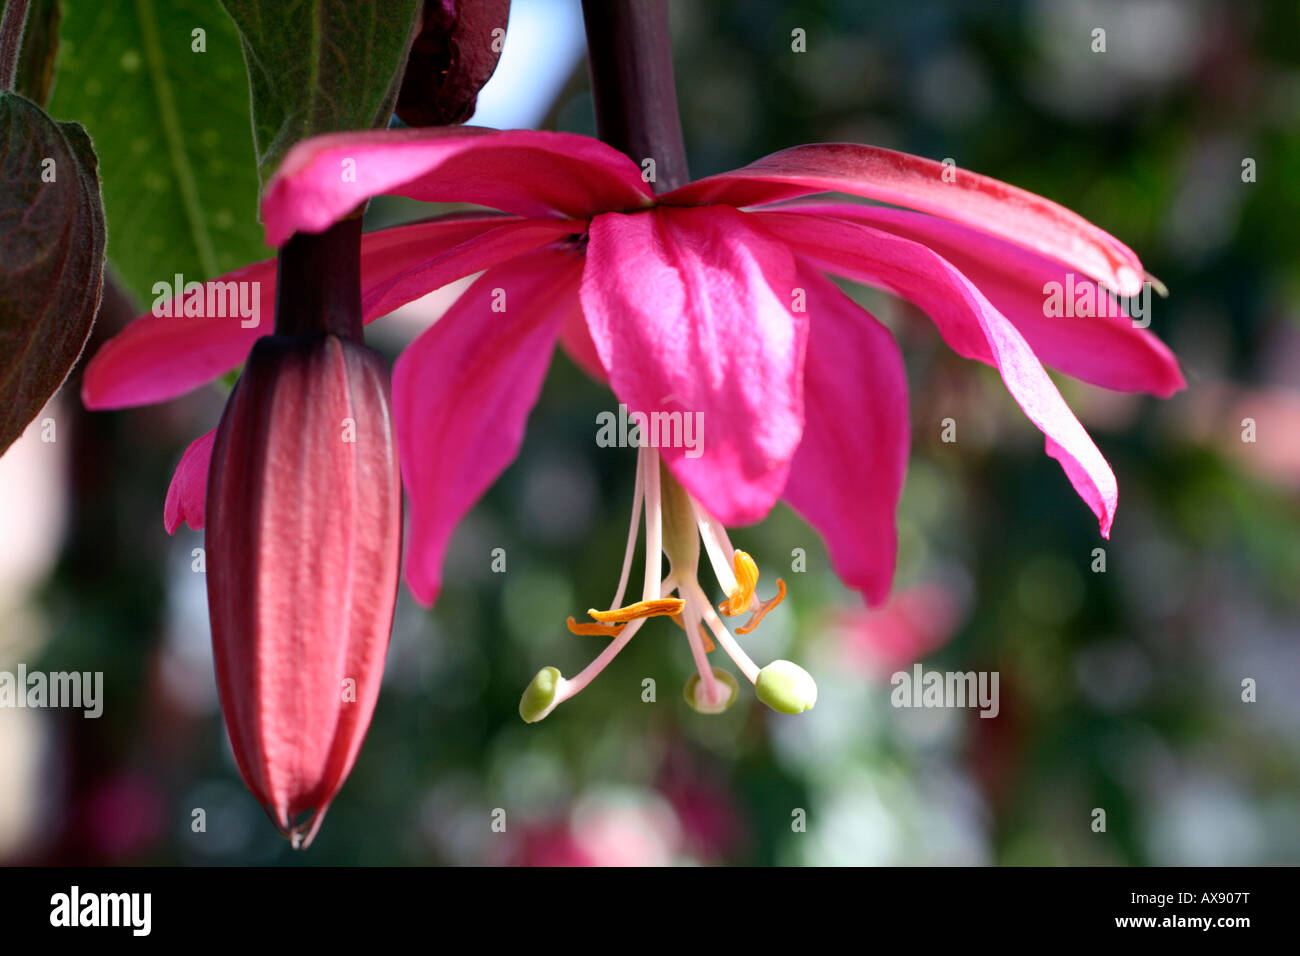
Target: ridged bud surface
(304, 524)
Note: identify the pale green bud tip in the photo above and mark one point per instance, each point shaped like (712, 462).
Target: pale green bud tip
(727, 693)
(539, 696)
(786, 687)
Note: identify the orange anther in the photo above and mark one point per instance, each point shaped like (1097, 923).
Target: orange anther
(763, 608)
(621, 615)
(746, 580)
(594, 629)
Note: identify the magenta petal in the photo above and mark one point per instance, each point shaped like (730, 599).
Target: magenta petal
(1105, 350)
(157, 358)
(410, 265)
(535, 174)
(847, 475)
(691, 311)
(969, 323)
(462, 392)
(188, 491)
(901, 179)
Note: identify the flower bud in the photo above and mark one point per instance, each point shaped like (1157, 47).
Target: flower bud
(694, 692)
(786, 687)
(304, 520)
(451, 58)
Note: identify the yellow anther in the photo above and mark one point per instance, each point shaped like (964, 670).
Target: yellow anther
(621, 615)
(594, 629)
(746, 580)
(763, 608)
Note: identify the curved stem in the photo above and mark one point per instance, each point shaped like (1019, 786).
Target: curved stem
(11, 42)
(631, 61)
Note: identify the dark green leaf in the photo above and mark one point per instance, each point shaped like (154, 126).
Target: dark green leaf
(52, 253)
(171, 128)
(320, 67)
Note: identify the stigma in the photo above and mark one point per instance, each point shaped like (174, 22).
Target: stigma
(676, 525)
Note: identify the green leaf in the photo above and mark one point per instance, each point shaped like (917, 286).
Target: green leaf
(168, 109)
(320, 67)
(36, 58)
(52, 247)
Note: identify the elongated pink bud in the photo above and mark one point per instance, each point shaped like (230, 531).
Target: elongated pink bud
(304, 525)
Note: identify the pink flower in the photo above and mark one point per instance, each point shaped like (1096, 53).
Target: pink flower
(913, 623)
(604, 828)
(710, 299)
(713, 824)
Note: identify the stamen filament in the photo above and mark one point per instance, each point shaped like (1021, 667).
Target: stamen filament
(653, 525)
(729, 644)
(681, 517)
(637, 495)
(710, 685)
(717, 547)
(708, 641)
(570, 687)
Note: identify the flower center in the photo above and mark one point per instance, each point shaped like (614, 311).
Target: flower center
(676, 525)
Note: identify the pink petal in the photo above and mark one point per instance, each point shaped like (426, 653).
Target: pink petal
(1105, 350)
(691, 312)
(189, 488)
(969, 323)
(535, 174)
(410, 265)
(913, 624)
(462, 392)
(157, 358)
(847, 475)
(987, 204)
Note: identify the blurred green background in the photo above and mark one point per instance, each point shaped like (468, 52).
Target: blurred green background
(1120, 689)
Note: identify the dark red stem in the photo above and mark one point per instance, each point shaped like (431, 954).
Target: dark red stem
(630, 55)
(318, 282)
(11, 42)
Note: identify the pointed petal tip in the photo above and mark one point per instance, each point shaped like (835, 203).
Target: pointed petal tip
(187, 493)
(916, 182)
(424, 592)
(90, 400)
(1177, 381)
(876, 594)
